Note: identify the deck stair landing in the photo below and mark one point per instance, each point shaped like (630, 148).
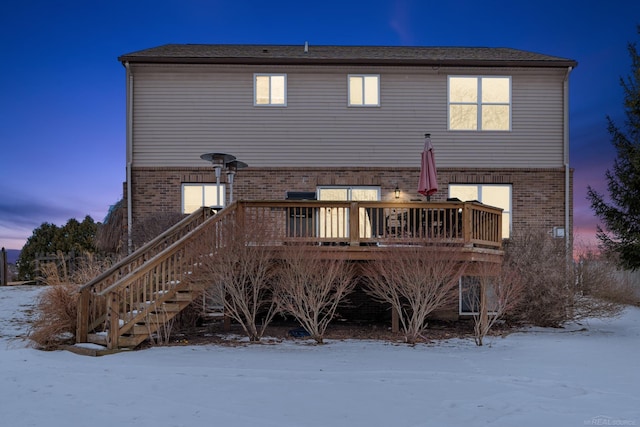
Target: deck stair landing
(134, 299)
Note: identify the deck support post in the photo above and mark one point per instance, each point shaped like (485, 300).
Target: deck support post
(82, 328)
(395, 320)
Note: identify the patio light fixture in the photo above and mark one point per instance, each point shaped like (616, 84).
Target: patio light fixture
(397, 192)
(219, 161)
(232, 168)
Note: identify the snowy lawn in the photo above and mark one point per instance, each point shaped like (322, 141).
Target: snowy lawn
(587, 374)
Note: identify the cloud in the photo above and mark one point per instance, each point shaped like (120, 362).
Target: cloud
(20, 215)
(400, 22)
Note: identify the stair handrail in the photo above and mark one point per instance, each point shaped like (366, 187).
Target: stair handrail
(132, 262)
(126, 281)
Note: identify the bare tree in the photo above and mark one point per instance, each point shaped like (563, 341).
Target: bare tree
(239, 272)
(496, 292)
(311, 288)
(415, 281)
(541, 263)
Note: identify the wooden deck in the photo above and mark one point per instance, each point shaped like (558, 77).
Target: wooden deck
(126, 304)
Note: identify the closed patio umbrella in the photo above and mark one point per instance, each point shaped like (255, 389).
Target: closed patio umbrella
(428, 183)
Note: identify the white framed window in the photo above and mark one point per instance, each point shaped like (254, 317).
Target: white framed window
(270, 90)
(470, 294)
(480, 103)
(194, 196)
(498, 195)
(364, 90)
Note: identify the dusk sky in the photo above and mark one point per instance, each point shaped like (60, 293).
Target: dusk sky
(62, 92)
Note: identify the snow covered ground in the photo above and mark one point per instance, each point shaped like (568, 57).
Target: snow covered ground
(587, 374)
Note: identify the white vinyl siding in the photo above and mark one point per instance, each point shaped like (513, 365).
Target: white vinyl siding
(180, 111)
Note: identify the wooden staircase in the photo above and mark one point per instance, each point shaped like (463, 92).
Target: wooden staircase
(136, 298)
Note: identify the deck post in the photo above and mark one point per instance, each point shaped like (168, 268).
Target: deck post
(82, 328)
(354, 224)
(113, 314)
(395, 320)
(467, 223)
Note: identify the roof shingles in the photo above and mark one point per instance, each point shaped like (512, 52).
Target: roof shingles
(316, 54)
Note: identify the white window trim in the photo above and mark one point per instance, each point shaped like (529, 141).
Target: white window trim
(364, 103)
(270, 104)
(478, 104)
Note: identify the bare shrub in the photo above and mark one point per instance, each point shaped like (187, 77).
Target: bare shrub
(540, 261)
(56, 308)
(310, 288)
(415, 281)
(240, 272)
(497, 293)
(151, 226)
(602, 288)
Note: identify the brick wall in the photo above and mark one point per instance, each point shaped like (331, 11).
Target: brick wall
(537, 194)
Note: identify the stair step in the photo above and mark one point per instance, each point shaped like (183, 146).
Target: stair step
(182, 296)
(99, 338)
(171, 307)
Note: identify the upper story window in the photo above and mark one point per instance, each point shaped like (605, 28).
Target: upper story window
(479, 103)
(270, 89)
(364, 90)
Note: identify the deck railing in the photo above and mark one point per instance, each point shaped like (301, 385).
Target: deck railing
(360, 223)
(117, 300)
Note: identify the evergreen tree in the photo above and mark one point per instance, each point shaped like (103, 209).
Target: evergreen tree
(621, 213)
(49, 238)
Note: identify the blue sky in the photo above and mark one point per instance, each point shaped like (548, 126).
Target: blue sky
(62, 93)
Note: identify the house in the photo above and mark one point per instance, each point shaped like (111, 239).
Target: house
(347, 122)
(323, 144)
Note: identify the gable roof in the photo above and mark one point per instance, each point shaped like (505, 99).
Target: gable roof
(335, 55)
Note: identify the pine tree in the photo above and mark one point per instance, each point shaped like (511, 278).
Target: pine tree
(621, 213)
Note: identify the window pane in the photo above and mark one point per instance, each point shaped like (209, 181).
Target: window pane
(364, 194)
(463, 117)
(213, 197)
(495, 117)
(506, 224)
(333, 194)
(262, 90)
(277, 90)
(371, 90)
(464, 192)
(469, 294)
(463, 89)
(495, 89)
(192, 198)
(497, 196)
(355, 91)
